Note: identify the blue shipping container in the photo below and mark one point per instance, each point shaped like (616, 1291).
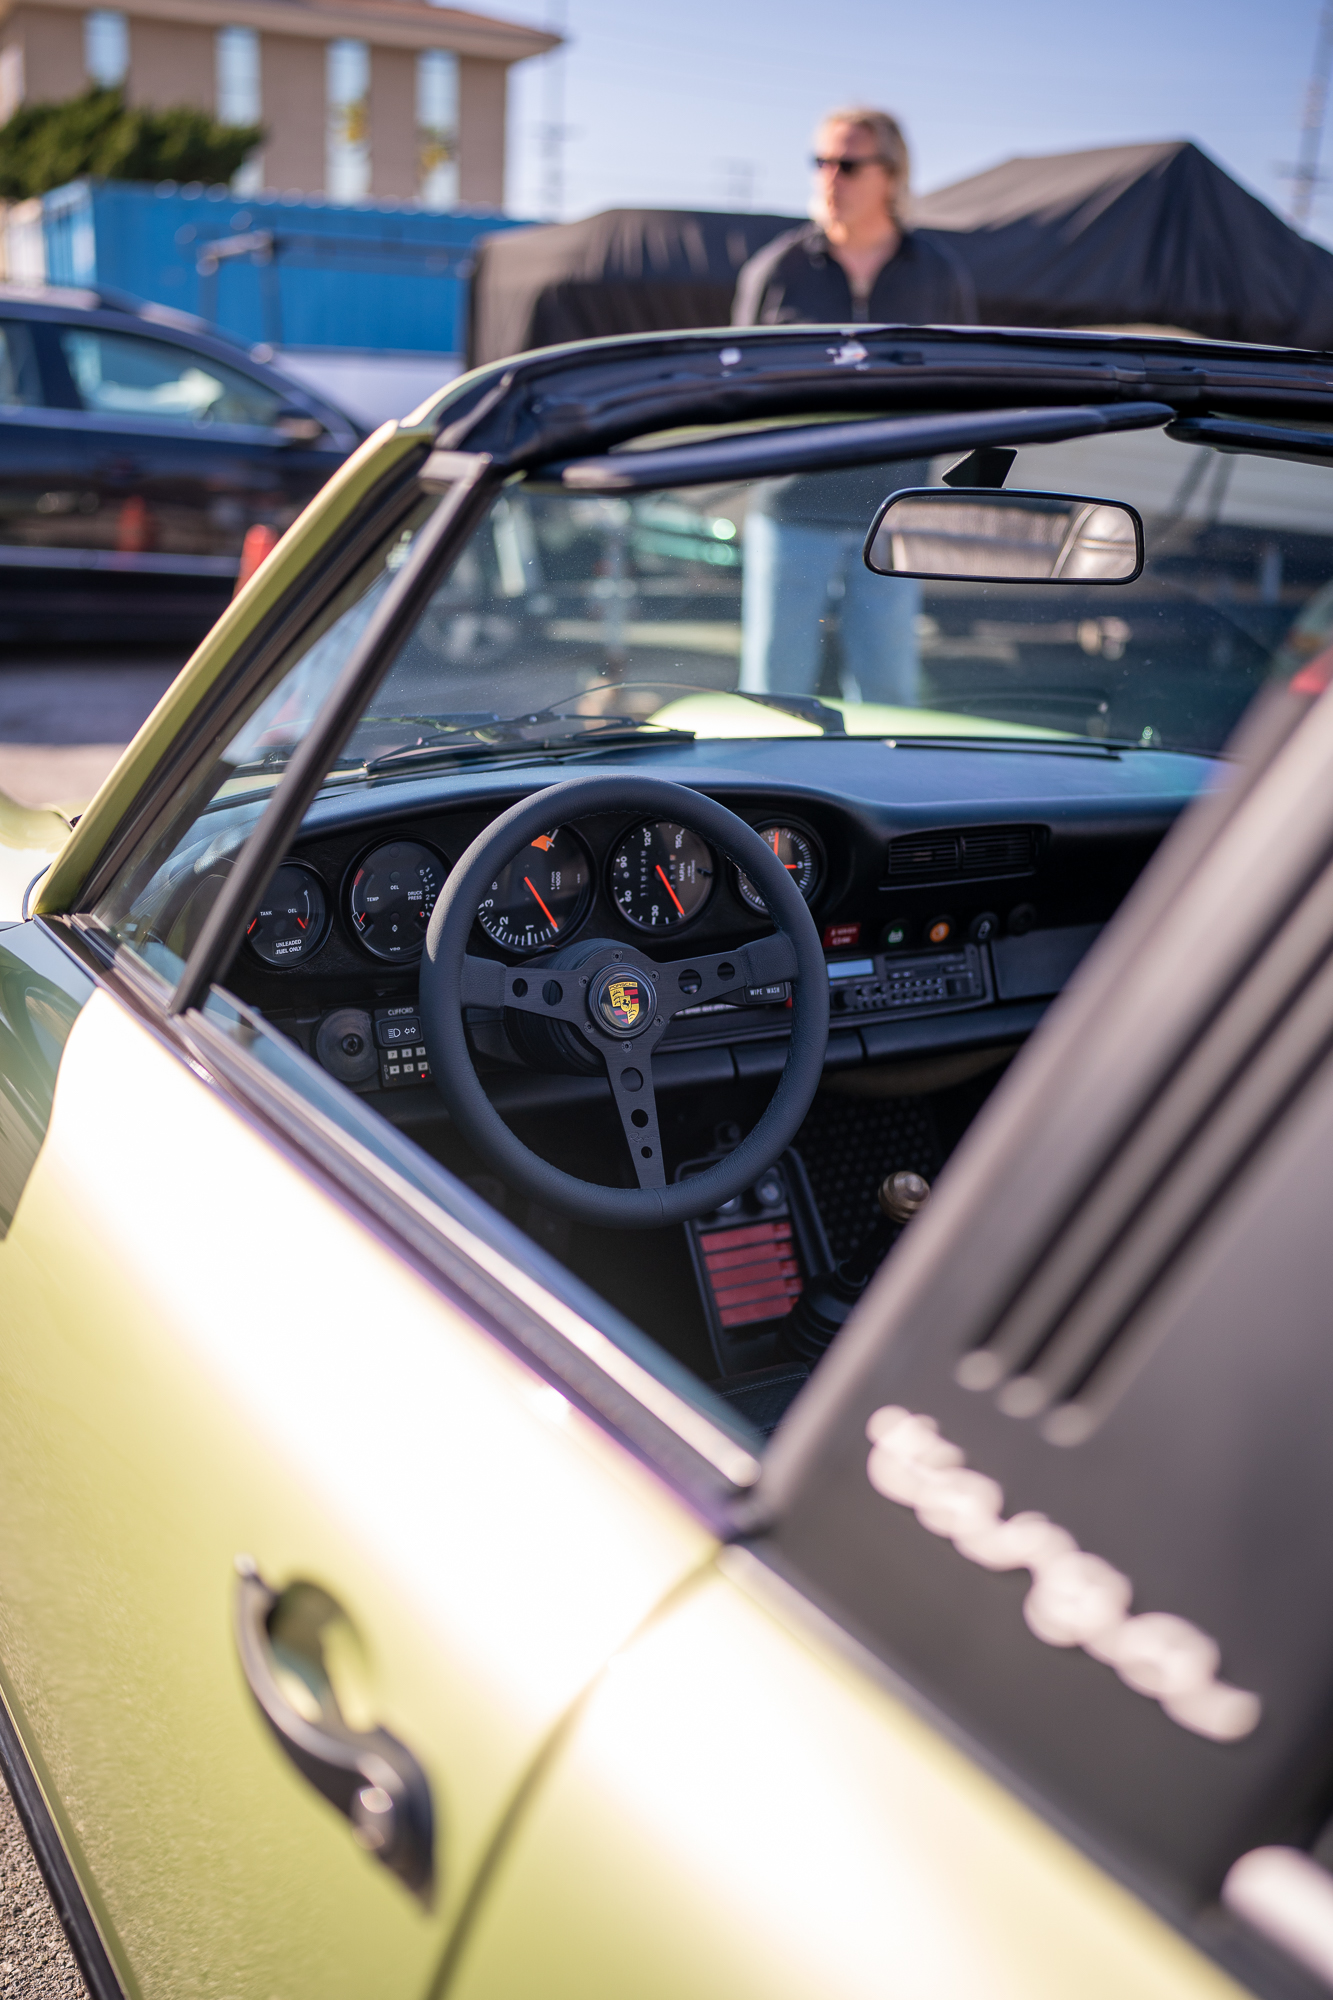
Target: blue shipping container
(293, 271)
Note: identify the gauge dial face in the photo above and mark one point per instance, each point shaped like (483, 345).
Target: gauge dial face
(661, 876)
(539, 897)
(392, 895)
(796, 851)
(289, 923)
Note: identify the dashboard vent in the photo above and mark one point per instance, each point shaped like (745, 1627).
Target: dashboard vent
(960, 852)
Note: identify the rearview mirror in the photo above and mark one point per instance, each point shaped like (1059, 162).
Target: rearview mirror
(995, 537)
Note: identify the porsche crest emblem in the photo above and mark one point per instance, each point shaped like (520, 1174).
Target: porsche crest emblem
(622, 999)
(622, 1002)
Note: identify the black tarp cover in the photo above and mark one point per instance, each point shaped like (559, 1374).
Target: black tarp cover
(1153, 235)
(628, 270)
(1134, 235)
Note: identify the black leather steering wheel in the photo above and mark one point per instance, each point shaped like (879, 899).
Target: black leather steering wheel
(621, 1000)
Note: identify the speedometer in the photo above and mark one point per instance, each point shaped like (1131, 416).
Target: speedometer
(796, 851)
(661, 875)
(540, 896)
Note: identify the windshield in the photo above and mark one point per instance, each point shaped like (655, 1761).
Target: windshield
(569, 623)
(746, 610)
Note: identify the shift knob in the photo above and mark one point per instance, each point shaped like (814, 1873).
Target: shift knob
(830, 1295)
(901, 1195)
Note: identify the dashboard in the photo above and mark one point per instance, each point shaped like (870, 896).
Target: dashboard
(954, 890)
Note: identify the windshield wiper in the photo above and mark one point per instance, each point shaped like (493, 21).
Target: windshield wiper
(495, 737)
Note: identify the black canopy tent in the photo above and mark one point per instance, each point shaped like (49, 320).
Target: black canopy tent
(1120, 236)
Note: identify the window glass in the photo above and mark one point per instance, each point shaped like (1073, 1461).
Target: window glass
(19, 384)
(106, 47)
(238, 99)
(161, 897)
(125, 376)
(437, 128)
(745, 609)
(347, 135)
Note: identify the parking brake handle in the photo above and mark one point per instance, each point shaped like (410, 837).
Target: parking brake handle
(372, 1778)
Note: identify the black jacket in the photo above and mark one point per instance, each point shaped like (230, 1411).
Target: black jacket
(795, 279)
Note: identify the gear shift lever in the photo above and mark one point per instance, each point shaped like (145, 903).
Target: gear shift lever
(830, 1295)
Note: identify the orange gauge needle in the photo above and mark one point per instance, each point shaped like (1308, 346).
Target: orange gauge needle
(791, 866)
(545, 912)
(670, 891)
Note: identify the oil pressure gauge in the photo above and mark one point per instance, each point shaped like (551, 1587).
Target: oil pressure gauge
(796, 851)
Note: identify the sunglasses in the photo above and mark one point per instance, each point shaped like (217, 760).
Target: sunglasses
(849, 167)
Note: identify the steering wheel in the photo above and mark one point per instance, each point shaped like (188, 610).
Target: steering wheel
(620, 1001)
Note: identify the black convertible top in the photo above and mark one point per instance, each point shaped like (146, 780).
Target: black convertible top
(1153, 235)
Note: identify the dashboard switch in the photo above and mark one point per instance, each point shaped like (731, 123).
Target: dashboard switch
(395, 1032)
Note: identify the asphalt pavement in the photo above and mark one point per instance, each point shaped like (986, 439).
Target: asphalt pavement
(64, 720)
(36, 1962)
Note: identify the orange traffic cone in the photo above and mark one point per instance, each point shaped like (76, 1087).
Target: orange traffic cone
(260, 542)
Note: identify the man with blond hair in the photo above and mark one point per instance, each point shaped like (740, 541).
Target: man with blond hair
(855, 260)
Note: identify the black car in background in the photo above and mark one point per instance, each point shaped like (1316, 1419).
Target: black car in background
(137, 450)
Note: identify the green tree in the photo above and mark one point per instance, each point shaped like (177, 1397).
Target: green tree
(45, 145)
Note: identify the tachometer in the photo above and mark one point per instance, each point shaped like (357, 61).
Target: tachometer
(540, 896)
(661, 875)
(392, 895)
(290, 920)
(796, 851)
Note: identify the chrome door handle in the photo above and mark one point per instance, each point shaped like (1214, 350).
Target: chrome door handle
(372, 1778)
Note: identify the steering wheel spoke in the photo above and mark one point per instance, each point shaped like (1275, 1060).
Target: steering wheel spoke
(727, 975)
(554, 995)
(629, 1069)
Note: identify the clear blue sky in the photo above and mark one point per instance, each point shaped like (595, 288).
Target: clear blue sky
(710, 103)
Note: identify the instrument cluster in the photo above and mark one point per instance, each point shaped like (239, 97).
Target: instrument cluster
(659, 878)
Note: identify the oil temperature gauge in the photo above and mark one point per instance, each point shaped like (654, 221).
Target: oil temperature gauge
(796, 851)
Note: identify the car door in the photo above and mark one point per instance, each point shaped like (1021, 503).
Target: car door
(131, 455)
(257, 1430)
(187, 451)
(743, 1809)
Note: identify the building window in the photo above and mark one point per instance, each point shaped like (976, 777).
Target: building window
(11, 81)
(238, 96)
(437, 129)
(238, 101)
(106, 48)
(347, 171)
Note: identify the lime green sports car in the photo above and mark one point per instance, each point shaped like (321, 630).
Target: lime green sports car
(596, 1403)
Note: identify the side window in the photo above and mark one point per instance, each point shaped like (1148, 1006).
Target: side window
(20, 387)
(121, 375)
(158, 903)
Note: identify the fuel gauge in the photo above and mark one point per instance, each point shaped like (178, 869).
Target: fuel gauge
(292, 916)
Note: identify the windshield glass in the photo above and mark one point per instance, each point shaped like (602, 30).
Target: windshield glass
(745, 609)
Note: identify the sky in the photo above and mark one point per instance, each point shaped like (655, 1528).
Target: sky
(711, 103)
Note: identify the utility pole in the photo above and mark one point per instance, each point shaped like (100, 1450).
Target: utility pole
(554, 130)
(1305, 175)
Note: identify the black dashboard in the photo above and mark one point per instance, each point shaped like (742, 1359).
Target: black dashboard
(955, 887)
